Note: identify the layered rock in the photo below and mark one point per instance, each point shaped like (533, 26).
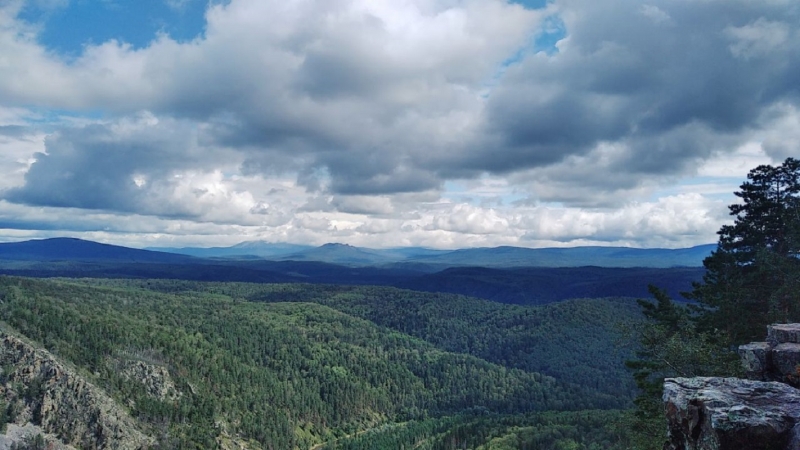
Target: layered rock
(761, 413)
(708, 413)
(777, 359)
(40, 390)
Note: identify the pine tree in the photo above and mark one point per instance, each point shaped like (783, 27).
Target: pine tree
(752, 277)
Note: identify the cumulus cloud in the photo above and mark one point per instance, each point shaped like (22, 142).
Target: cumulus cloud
(353, 116)
(667, 97)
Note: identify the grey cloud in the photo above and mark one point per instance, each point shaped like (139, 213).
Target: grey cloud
(14, 130)
(120, 166)
(620, 78)
(356, 104)
(369, 205)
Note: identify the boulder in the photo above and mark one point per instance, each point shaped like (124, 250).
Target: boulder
(709, 413)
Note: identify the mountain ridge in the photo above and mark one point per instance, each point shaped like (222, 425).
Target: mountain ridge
(521, 285)
(497, 257)
(64, 248)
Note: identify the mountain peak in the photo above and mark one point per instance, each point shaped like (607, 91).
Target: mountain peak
(336, 245)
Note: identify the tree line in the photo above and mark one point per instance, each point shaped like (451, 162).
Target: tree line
(752, 279)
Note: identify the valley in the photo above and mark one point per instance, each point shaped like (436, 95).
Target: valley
(252, 353)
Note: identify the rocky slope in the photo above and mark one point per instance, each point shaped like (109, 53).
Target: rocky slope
(42, 395)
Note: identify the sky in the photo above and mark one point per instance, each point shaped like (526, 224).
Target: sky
(388, 123)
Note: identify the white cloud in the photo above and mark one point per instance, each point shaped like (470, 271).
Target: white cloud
(469, 219)
(758, 38)
(655, 14)
(430, 122)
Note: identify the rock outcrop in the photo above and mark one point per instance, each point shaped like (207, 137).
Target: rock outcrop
(777, 359)
(155, 378)
(762, 413)
(731, 413)
(42, 391)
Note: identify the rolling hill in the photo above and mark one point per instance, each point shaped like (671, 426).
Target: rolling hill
(70, 249)
(227, 365)
(355, 266)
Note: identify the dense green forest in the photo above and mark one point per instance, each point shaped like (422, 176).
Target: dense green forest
(586, 334)
(522, 286)
(280, 367)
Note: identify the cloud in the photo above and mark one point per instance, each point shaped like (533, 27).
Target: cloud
(654, 13)
(366, 90)
(759, 38)
(672, 221)
(386, 97)
(668, 96)
(468, 219)
(363, 114)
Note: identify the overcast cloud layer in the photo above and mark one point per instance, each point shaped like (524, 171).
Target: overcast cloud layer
(442, 123)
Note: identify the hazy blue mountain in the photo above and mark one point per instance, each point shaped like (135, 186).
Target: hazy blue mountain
(341, 254)
(409, 253)
(571, 257)
(504, 274)
(431, 260)
(70, 249)
(331, 253)
(261, 249)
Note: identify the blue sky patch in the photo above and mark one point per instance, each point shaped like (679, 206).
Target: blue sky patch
(553, 31)
(68, 28)
(531, 4)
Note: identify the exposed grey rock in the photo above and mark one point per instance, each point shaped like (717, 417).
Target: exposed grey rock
(52, 396)
(778, 359)
(154, 377)
(707, 413)
(16, 434)
(756, 359)
(783, 333)
(785, 360)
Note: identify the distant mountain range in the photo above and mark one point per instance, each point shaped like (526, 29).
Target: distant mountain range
(412, 258)
(249, 249)
(497, 257)
(70, 249)
(503, 274)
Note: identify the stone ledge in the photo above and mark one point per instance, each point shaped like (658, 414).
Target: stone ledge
(760, 413)
(777, 359)
(708, 413)
(783, 333)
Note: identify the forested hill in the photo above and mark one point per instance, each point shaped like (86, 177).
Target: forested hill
(293, 366)
(540, 285)
(562, 340)
(524, 286)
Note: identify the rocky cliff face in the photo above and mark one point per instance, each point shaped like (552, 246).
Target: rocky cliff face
(155, 378)
(732, 413)
(40, 391)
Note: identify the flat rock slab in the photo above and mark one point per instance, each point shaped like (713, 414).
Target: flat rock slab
(708, 413)
(783, 333)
